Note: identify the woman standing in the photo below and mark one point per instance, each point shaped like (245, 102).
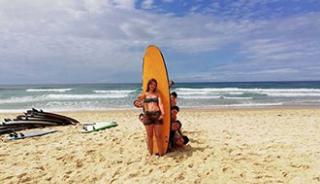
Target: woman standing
(153, 114)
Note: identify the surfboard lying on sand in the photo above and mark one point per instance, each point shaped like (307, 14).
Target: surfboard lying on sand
(26, 134)
(48, 115)
(154, 66)
(98, 126)
(29, 122)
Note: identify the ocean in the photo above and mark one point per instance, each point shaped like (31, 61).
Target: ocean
(74, 97)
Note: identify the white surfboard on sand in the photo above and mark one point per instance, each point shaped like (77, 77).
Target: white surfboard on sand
(98, 126)
(26, 134)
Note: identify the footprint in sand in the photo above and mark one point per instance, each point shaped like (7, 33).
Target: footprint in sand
(121, 149)
(40, 168)
(116, 173)
(302, 166)
(145, 172)
(226, 134)
(196, 141)
(22, 175)
(284, 174)
(24, 178)
(79, 163)
(49, 178)
(3, 155)
(68, 172)
(224, 169)
(65, 177)
(180, 177)
(317, 178)
(240, 159)
(59, 148)
(8, 177)
(132, 175)
(190, 165)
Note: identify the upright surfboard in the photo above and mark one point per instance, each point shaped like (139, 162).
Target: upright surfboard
(154, 66)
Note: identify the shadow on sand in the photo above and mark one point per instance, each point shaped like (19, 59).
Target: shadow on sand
(186, 151)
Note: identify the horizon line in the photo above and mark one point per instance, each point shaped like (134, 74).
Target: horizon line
(184, 82)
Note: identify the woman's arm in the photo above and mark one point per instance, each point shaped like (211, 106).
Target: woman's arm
(161, 106)
(141, 96)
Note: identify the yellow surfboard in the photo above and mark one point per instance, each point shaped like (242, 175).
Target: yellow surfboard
(154, 66)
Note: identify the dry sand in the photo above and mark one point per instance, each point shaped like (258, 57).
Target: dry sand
(226, 146)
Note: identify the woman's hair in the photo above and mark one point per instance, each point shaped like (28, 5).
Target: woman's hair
(149, 82)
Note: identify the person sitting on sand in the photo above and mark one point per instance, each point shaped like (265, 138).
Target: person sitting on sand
(153, 114)
(173, 98)
(174, 112)
(176, 125)
(178, 139)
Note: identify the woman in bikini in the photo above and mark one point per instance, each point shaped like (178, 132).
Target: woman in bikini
(153, 114)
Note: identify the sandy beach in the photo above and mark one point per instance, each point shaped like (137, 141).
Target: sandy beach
(226, 146)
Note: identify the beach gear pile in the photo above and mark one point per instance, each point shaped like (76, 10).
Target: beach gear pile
(34, 119)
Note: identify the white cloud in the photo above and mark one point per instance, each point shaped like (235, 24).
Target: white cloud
(147, 4)
(97, 40)
(127, 4)
(291, 39)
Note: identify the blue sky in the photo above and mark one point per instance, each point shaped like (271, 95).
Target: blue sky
(94, 41)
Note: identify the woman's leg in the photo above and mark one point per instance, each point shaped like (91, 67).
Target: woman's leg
(149, 129)
(157, 131)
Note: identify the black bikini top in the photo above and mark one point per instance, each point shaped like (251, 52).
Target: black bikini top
(150, 100)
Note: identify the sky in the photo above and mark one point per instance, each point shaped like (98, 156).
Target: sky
(103, 41)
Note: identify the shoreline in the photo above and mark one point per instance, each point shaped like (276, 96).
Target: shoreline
(301, 107)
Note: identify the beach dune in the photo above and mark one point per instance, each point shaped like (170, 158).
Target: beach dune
(226, 146)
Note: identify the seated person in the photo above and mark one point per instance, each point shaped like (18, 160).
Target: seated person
(177, 138)
(176, 125)
(173, 98)
(174, 112)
